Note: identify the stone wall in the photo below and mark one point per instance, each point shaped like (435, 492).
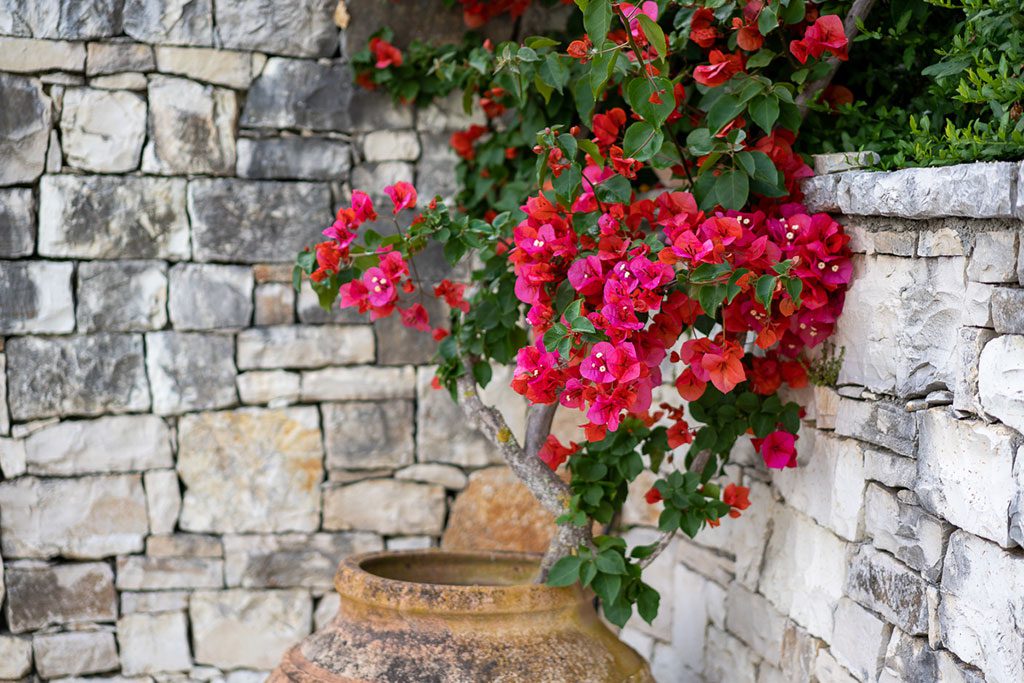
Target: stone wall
(187, 447)
(893, 553)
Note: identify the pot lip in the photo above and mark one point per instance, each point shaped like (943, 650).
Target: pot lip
(354, 582)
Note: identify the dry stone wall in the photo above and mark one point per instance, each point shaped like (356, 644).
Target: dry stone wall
(187, 447)
(894, 552)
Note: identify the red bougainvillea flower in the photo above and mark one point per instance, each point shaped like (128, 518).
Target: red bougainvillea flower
(721, 69)
(402, 194)
(452, 293)
(362, 205)
(778, 449)
(748, 37)
(580, 49)
(553, 453)
(679, 434)
(462, 141)
(385, 53)
(416, 317)
(606, 127)
(737, 498)
(702, 28)
(632, 13)
(824, 35)
(653, 496)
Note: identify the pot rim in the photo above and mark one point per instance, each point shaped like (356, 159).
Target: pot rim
(354, 581)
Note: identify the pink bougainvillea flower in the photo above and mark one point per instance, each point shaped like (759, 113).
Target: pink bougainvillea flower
(362, 205)
(778, 449)
(402, 194)
(721, 69)
(385, 53)
(824, 35)
(553, 453)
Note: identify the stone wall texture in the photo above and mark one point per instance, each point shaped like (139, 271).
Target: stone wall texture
(188, 447)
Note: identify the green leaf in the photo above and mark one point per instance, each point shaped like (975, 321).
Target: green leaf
(307, 261)
(711, 297)
(724, 110)
(528, 54)
(540, 42)
(699, 141)
(763, 424)
(588, 573)
(639, 92)
(654, 33)
(618, 612)
(767, 21)
(760, 58)
(616, 190)
(607, 586)
(647, 603)
(592, 149)
(482, 372)
(794, 12)
(297, 277)
(597, 18)
(731, 189)
(565, 572)
(642, 141)
(582, 324)
(763, 289)
(764, 110)
(555, 71)
(795, 286)
(611, 562)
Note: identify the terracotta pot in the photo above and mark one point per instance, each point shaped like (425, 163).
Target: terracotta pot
(458, 617)
(826, 405)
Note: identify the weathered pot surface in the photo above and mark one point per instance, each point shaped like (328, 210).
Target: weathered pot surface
(454, 617)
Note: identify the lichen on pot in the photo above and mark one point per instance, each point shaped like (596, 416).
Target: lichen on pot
(458, 617)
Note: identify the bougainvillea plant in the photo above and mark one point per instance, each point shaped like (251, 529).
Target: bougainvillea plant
(659, 240)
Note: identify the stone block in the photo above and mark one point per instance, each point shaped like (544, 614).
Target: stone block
(1001, 380)
(939, 242)
(821, 192)
(980, 190)
(497, 512)
(190, 371)
(205, 296)
(900, 324)
(372, 178)
(414, 19)
(243, 628)
(125, 81)
(294, 158)
(219, 67)
(369, 434)
(37, 297)
(980, 612)
(728, 660)
(452, 478)
(889, 588)
(971, 342)
(828, 670)
(882, 423)
(401, 345)
(12, 458)
(274, 456)
(250, 221)
(122, 443)
(153, 602)
(17, 222)
(442, 432)
(860, 640)
(169, 22)
(447, 114)
(906, 531)
(1016, 506)
(139, 572)
(292, 560)
(994, 258)
(75, 653)
(103, 130)
(122, 296)
(184, 545)
(108, 517)
(25, 55)
(39, 596)
(311, 313)
(15, 657)
(804, 572)
(112, 58)
(153, 643)
(298, 346)
(362, 383)
(830, 488)
(191, 128)
(163, 500)
(24, 129)
(142, 217)
(268, 386)
(963, 470)
(410, 543)
(752, 618)
(274, 304)
(912, 659)
(302, 30)
(386, 145)
(297, 93)
(399, 507)
(87, 19)
(372, 110)
(1008, 310)
(889, 468)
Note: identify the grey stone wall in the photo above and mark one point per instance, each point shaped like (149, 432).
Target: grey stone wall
(187, 447)
(894, 552)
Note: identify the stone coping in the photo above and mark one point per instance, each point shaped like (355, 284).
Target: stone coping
(977, 190)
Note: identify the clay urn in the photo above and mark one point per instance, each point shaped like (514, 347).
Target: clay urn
(458, 617)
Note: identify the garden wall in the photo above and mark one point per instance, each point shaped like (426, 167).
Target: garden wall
(187, 447)
(893, 553)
